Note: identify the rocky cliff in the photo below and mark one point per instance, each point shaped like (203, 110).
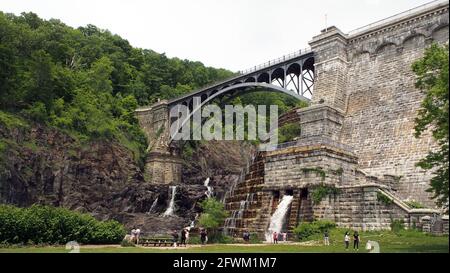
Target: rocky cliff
(43, 165)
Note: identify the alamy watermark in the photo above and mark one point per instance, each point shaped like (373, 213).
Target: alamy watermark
(233, 122)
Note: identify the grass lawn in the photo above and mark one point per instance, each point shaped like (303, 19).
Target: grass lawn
(405, 242)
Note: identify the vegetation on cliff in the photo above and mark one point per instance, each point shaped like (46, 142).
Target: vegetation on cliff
(87, 81)
(432, 78)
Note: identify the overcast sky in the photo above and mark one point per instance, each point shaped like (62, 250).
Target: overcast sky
(233, 34)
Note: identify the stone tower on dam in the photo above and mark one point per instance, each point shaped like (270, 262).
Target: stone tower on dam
(357, 140)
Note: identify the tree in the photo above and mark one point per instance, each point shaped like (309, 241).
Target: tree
(432, 78)
(213, 214)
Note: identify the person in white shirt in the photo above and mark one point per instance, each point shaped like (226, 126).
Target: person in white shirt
(138, 233)
(346, 240)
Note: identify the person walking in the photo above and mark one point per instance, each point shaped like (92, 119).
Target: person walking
(356, 241)
(326, 238)
(275, 237)
(346, 240)
(183, 237)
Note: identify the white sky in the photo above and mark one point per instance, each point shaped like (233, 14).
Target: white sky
(233, 34)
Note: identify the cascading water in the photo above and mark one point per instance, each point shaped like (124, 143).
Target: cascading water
(278, 218)
(171, 207)
(153, 206)
(209, 189)
(238, 214)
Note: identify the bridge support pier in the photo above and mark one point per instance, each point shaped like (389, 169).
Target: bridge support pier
(163, 164)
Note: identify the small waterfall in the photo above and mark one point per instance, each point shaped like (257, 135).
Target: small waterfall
(209, 189)
(192, 225)
(238, 214)
(278, 218)
(153, 206)
(170, 208)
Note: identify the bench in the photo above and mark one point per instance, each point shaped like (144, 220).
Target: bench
(156, 242)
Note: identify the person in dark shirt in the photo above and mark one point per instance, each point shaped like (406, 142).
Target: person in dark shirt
(356, 241)
(175, 238)
(203, 235)
(183, 237)
(326, 238)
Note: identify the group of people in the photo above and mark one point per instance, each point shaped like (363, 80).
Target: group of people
(356, 240)
(184, 236)
(276, 237)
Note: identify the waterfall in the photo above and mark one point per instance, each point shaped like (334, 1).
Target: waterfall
(192, 225)
(153, 206)
(278, 218)
(209, 189)
(170, 208)
(238, 214)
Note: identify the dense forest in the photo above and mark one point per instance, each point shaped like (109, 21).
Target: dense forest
(88, 81)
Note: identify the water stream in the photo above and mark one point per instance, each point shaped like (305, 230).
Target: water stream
(279, 217)
(170, 209)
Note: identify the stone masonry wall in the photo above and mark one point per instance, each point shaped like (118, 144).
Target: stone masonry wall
(382, 101)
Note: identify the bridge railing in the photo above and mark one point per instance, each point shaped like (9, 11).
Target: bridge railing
(284, 58)
(317, 140)
(275, 61)
(396, 17)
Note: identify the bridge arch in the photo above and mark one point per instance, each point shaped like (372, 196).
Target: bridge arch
(234, 89)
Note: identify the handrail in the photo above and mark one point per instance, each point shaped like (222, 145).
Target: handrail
(276, 61)
(397, 16)
(239, 74)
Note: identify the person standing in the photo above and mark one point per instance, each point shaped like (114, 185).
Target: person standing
(346, 240)
(203, 235)
(187, 235)
(133, 235)
(183, 237)
(356, 241)
(326, 238)
(175, 238)
(138, 233)
(275, 237)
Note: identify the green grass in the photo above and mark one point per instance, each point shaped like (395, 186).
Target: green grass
(405, 242)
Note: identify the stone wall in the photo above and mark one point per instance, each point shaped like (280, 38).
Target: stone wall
(368, 76)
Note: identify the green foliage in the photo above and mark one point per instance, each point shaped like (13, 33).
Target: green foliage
(288, 132)
(432, 78)
(305, 230)
(415, 204)
(319, 171)
(384, 199)
(10, 121)
(126, 243)
(87, 81)
(213, 214)
(397, 226)
(45, 224)
(321, 191)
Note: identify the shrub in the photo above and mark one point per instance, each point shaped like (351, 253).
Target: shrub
(305, 230)
(397, 226)
(384, 199)
(49, 225)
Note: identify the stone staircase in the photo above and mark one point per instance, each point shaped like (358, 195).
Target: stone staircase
(244, 200)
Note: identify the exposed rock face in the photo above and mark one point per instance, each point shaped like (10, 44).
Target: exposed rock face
(45, 166)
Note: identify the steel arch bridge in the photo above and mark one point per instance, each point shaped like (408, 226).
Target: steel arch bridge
(292, 74)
